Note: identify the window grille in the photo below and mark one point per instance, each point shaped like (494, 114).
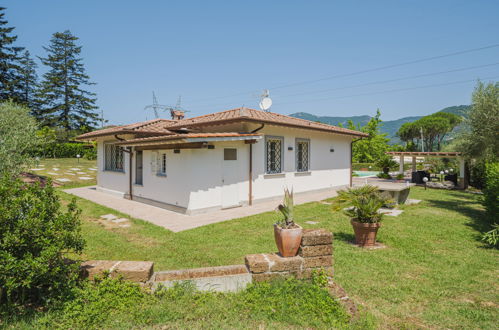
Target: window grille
(273, 159)
(302, 155)
(162, 167)
(113, 158)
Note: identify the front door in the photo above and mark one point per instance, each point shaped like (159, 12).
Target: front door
(138, 167)
(230, 191)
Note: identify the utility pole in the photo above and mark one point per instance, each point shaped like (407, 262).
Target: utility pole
(422, 139)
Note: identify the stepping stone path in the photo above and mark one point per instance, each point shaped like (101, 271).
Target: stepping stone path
(75, 169)
(125, 225)
(55, 169)
(63, 180)
(109, 217)
(412, 201)
(81, 172)
(312, 222)
(120, 220)
(326, 203)
(69, 173)
(92, 169)
(390, 212)
(84, 178)
(36, 169)
(52, 173)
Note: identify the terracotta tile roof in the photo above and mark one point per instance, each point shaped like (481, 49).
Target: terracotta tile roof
(246, 114)
(184, 137)
(150, 127)
(167, 127)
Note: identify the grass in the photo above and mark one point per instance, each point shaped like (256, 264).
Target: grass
(67, 169)
(435, 272)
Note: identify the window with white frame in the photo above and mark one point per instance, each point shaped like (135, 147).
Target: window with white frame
(273, 154)
(302, 155)
(113, 158)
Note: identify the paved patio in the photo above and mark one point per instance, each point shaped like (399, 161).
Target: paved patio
(178, 222)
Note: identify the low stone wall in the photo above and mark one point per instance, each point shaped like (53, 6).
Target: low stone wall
(136, 271)
(315, 253)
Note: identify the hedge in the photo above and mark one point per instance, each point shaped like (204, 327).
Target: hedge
(65, 150)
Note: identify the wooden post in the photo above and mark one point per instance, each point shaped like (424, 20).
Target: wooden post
(351, 162)
(414, 163)
(401, 165)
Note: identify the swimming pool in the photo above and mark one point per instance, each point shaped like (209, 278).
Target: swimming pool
(365, 174)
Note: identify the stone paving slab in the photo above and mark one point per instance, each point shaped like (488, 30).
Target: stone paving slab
(178, 222)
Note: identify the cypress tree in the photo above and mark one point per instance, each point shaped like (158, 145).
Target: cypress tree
(64, 102)
(10, 79)
(29, 81)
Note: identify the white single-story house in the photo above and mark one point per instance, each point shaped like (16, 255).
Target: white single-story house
(221, 160)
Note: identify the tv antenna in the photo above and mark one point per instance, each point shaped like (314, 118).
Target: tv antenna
(265, 101)
(176, 112)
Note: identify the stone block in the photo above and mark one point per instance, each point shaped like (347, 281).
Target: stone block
(316, 237)
(186, 274)
(315, 262)
(263, 277)
(257, 263)
(91, 268)
(137, 271)
(315, 250)
(281, 264)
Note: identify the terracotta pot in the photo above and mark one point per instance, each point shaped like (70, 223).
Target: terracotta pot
(365, 233)
(288, 240)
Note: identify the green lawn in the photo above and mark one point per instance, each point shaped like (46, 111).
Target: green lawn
(434, 273)
(68, 172)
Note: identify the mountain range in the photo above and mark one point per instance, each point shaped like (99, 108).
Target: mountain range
(390, 127)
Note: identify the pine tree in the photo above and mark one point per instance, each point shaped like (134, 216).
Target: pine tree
(10, 79)
(29, 79)
(64, 102)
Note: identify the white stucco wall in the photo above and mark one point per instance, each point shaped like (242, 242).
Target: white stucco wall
(194, 179)
(116, 182)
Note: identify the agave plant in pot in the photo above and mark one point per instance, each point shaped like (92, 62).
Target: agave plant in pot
(362, 205)
(287, 233)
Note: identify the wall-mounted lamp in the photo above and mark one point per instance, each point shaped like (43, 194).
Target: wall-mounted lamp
(290, 148)
(331, 150)
(211, 146)
(176, 151)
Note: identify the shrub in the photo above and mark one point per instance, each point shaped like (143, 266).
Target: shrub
(400, 176)
(491, 191)
(477, 174)
(384, 176)
(35, 235)
(386, 163)
(362, 203)
(17, 137)
(65, 150)
(492, 237)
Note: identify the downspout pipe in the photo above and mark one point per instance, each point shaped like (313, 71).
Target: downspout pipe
(351, 159)
(250, 174)
(130, 158)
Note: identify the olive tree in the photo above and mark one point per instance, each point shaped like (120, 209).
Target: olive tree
(17, 137)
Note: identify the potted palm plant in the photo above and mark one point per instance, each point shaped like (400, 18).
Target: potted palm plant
(385, 163)
(287, 233)
(362, 205)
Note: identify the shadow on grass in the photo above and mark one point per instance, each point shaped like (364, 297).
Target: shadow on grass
(466, 205)
(342, 236)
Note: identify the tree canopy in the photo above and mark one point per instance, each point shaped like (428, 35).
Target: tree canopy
(480, 138)
(10, 77)
(428, 131)
(373, 147)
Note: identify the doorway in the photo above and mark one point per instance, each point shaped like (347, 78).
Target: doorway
(230, 170)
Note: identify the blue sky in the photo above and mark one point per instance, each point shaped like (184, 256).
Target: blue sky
(221, 54)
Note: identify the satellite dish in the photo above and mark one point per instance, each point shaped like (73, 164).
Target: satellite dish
(265, 101)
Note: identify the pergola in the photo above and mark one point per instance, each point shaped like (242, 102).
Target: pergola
(463, 182)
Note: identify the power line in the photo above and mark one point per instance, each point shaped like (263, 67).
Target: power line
(392, 80)
(388, 91)
(359, 72)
